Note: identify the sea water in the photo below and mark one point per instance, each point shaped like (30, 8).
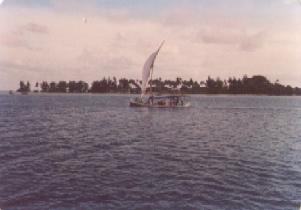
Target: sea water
(96, 152)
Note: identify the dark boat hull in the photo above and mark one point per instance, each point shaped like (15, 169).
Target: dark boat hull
(137, 104)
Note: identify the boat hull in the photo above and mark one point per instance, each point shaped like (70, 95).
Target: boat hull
(136, 104)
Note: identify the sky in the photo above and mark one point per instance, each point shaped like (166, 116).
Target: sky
(53, 40)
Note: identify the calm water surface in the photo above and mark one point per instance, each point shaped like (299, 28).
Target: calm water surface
(95, 152)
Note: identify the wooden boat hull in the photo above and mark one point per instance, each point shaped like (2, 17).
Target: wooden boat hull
(135, 104)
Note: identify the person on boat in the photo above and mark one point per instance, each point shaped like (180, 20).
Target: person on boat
(176, 101)
(182, 102)
(151, 100)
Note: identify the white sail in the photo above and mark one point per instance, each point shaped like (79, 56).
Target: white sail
(147, 68)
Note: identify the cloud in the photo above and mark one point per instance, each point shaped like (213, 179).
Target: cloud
(27, 36)
(292, 1)
(89, 58)
(253, 42)
(216, 36)
(18, 67)
(34, 28)
(16, 42)
(55, 45)
(237, 38)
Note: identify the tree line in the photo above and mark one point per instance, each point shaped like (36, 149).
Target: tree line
(257, 84)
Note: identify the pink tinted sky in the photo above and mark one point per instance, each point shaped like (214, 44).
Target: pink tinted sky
(87, 41)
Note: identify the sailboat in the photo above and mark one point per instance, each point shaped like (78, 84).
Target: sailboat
(150, 100)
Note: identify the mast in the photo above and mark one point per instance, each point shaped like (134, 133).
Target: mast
(152, 68)
(151, 81)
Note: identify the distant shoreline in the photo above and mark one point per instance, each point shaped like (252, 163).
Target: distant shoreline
(6, 92)
(256, 85)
